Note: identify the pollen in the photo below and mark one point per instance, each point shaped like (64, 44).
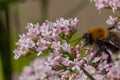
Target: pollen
(99, 33)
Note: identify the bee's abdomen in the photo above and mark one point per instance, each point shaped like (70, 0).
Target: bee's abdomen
(112, 47)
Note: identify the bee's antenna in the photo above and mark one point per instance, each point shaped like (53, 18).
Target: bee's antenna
(78, 39)
(112, 27)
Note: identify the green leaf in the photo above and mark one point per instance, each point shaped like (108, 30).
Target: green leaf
(83, 52)
(46, 52)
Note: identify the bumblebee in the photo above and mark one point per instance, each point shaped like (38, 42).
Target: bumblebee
(104, 39)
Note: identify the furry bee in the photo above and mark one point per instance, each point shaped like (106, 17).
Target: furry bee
(104, 39)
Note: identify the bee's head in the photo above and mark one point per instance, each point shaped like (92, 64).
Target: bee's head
(87, 37)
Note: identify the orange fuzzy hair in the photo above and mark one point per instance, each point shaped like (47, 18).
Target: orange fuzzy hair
(99, 33)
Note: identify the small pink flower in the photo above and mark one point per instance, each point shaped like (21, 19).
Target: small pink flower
(58, 59)
(87, 52)
(91, 56)
(90, 69)
(78, 56)
(74, 23)
(56, 46)
(82, 62)
(113, 4)
(70, 64)
(78, 47)
(111, 20)
(101, 4)
(104, 56)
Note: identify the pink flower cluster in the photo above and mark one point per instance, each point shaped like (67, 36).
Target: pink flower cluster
(46, 36)
(114, 21)
(113, 4)
(65, 61)
(71, 66)
(56, 66)
(38, 70)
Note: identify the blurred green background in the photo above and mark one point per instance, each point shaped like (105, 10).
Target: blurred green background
(15, 14)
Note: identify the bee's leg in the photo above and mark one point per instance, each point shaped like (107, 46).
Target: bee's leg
(103, 49)
(112, 27)
(109, 59)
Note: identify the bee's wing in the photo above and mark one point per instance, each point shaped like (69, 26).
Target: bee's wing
(114, 39)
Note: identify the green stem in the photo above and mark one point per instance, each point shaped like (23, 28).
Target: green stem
(63, 66)
(5, 46)
(70, 57)
(88, 75)
(44, 10)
